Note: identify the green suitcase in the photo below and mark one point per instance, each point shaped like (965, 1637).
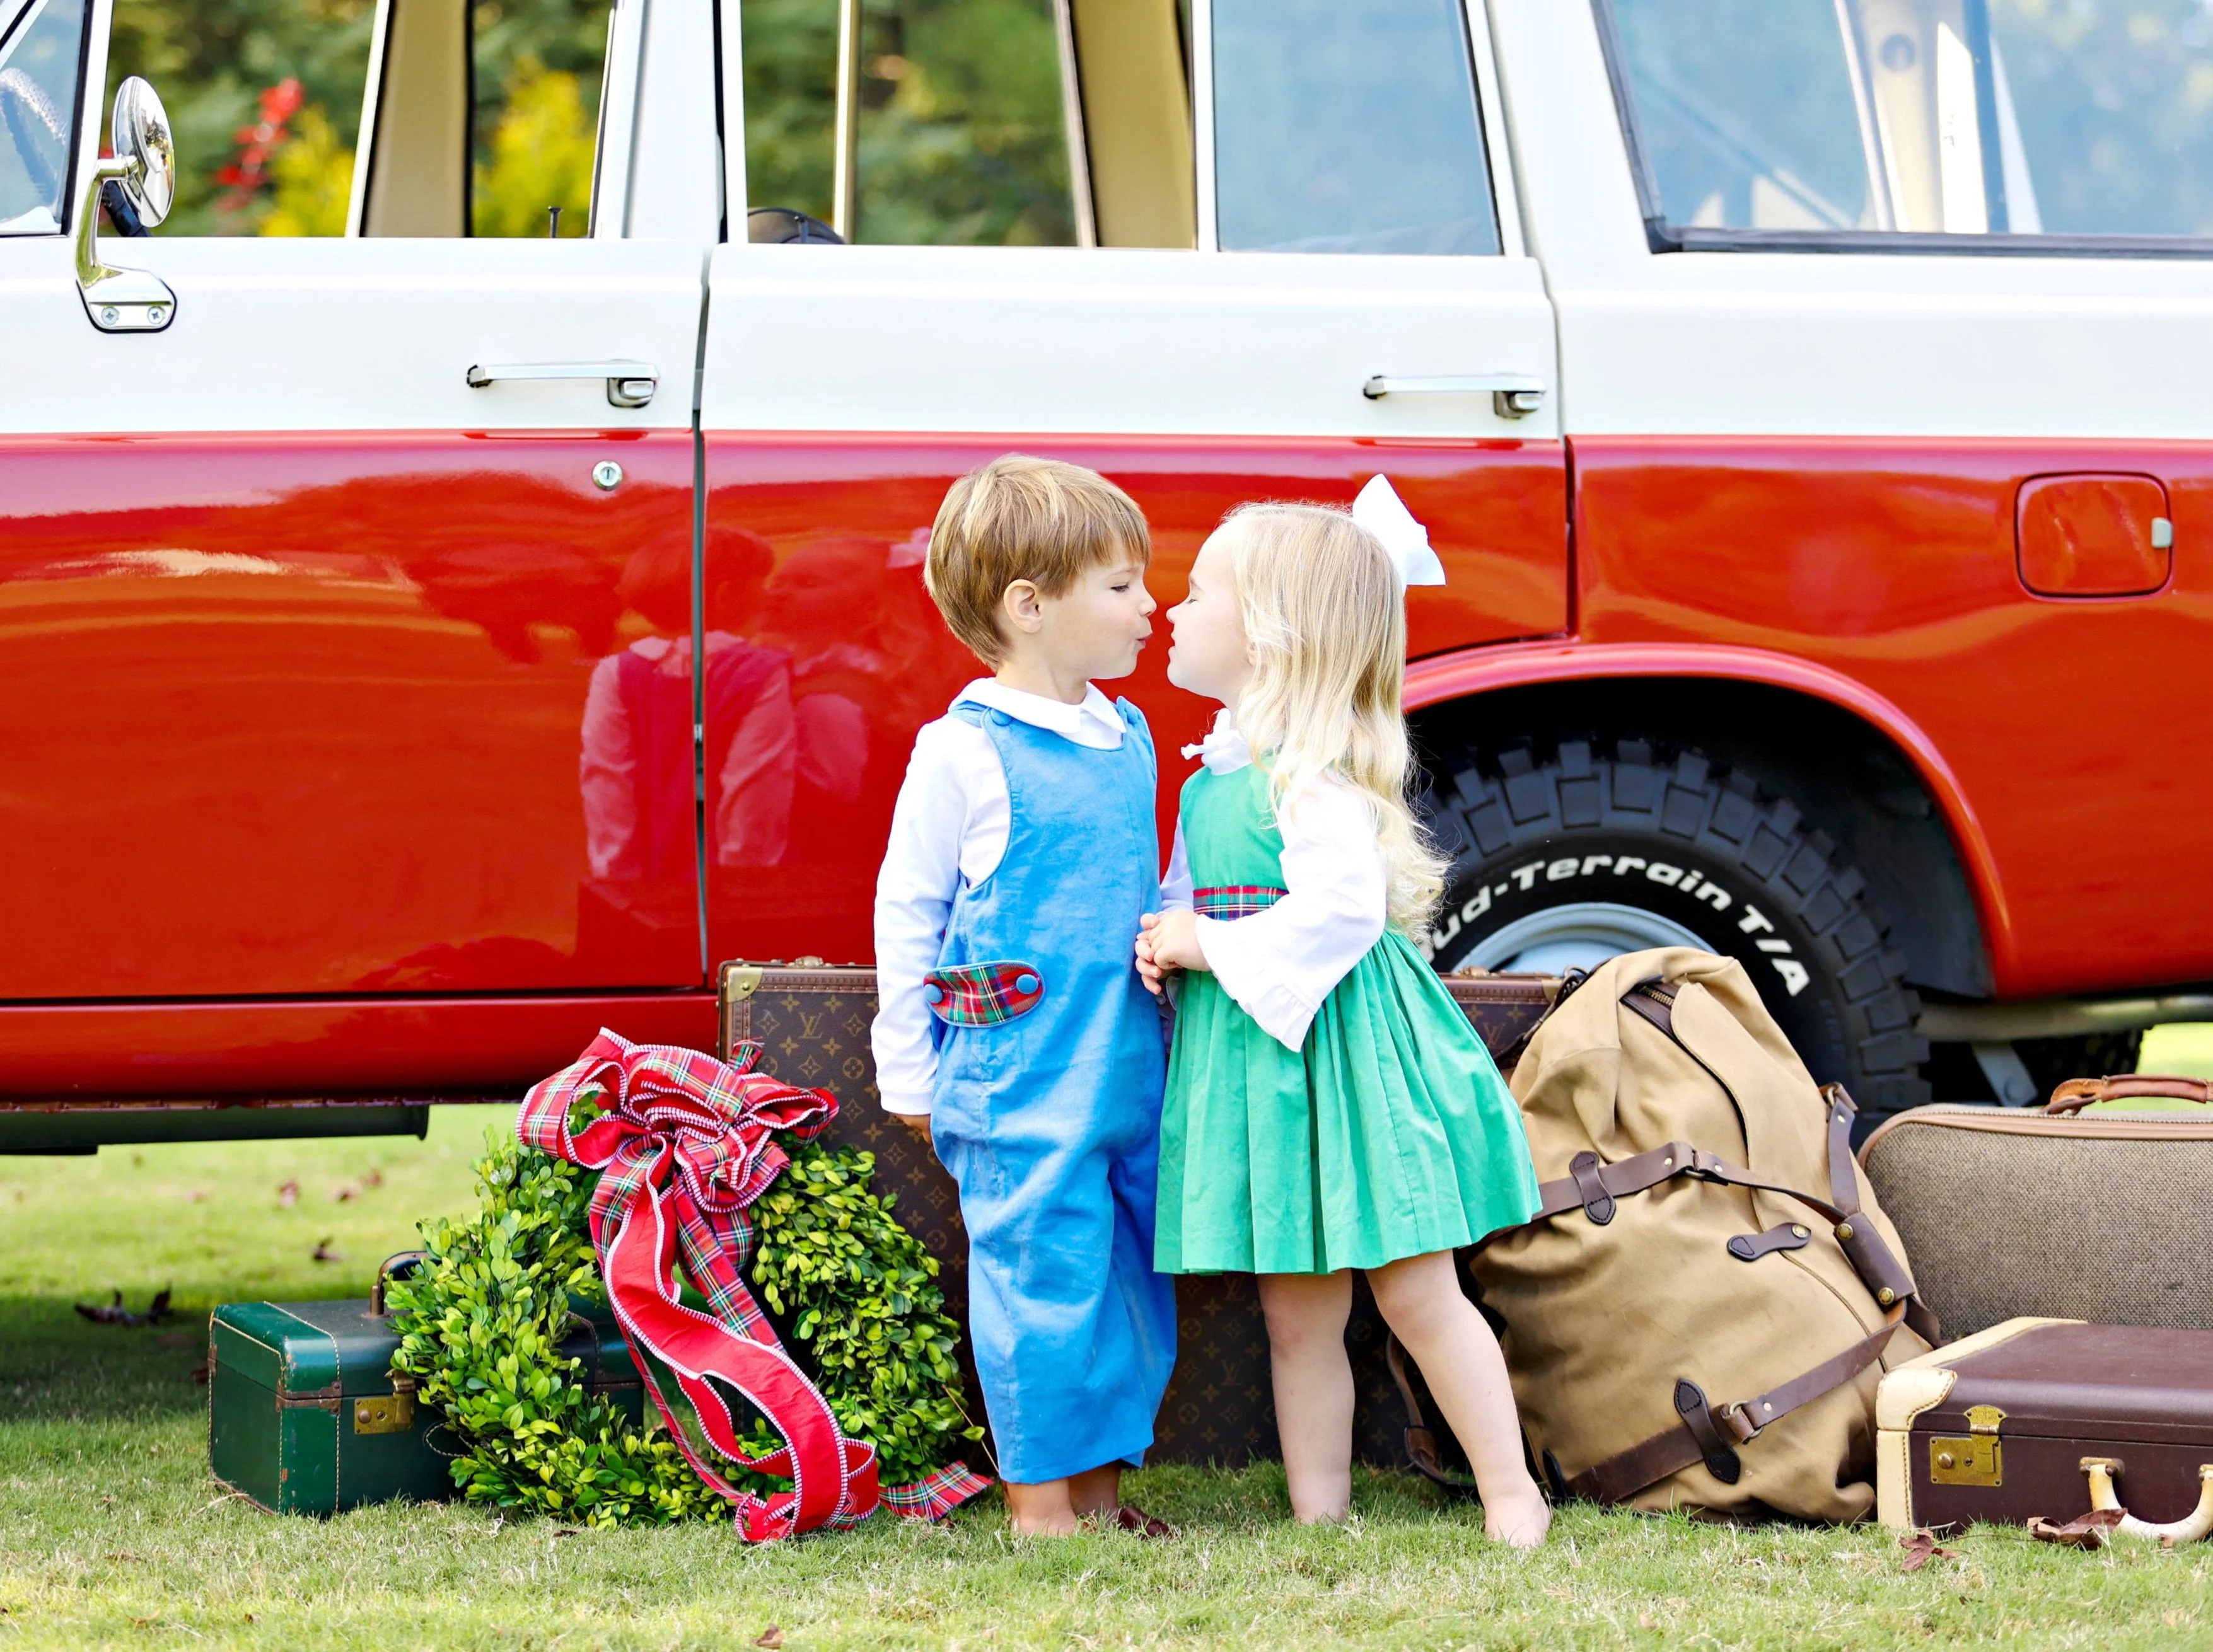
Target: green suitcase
(303, 1418)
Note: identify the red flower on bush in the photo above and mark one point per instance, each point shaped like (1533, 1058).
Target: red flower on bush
(247, 175)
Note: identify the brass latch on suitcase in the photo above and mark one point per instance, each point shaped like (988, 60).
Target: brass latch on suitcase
(395, 1415)
(1976, 1461)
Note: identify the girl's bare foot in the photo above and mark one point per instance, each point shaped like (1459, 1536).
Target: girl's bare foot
(1520, 1520)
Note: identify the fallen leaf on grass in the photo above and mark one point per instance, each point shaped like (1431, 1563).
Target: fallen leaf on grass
(1922, 1548)
(116, 1314)
(341, 1194)
(323, 1253)
(771, 1637)
(2090, 1532)
(287, 1194)
(372, 1177)
(195, 1196)
(568, 1531)
(135, 1559)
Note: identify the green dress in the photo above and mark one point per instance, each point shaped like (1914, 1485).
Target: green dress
(1389, 1134)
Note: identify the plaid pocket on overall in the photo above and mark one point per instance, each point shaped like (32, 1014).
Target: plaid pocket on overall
(1228, 901)
(982, 994)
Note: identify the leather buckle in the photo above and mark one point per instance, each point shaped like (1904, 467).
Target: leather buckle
(1739, 1419)
(1698, 1164)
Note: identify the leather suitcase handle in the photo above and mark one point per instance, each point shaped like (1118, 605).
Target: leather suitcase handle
(2078, 1093)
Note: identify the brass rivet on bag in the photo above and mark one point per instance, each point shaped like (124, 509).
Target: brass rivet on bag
(1798, 1231)
(1885, 1296)
(1843, 1230)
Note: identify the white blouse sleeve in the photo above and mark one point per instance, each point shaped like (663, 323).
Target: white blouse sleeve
(950, 821)
(1280, 964)
(1175, 883)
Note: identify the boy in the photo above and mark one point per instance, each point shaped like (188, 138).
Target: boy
(1012, 1029)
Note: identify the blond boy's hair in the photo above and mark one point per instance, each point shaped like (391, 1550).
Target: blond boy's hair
(1019, 518)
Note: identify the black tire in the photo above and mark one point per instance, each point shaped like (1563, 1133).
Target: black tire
(1701, 848)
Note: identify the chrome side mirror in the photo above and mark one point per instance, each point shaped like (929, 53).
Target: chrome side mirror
(144, 170)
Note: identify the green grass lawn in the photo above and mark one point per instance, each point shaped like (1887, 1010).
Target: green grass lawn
(112, 1533)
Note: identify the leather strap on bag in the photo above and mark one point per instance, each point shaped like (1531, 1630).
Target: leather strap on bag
(2078, 1093)
(1421, 1444)
(1711, 1433)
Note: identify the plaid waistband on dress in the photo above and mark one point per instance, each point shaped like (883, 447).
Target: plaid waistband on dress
(982, 994)
(1228, 901)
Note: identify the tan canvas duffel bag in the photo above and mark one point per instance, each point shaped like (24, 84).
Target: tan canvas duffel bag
(2056, 1212)
(1700, 1315)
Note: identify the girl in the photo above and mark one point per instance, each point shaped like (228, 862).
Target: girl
(1328, 1106)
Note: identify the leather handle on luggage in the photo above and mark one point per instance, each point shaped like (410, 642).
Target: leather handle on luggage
(401, 1265)
(1711, 1433)
(2078, 1093)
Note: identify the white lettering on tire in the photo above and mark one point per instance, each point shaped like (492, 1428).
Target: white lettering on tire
(1754, 922)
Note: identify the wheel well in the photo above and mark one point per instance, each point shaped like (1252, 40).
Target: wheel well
(1846, 776)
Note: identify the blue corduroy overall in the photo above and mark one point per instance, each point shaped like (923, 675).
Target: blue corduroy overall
(1050, 1123)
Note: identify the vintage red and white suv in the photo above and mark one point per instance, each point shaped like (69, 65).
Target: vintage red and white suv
(420, 648)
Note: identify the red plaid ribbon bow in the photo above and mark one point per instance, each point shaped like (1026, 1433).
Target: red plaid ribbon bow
(683, 1149)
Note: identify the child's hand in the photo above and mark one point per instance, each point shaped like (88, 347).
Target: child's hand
(1169, 940)
(919, 1123)
(1149, 967)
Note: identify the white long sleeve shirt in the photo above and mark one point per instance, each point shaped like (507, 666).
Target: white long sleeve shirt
(949, 833)
(1278, 965)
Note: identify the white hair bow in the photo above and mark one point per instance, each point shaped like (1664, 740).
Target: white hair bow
(1383, 513)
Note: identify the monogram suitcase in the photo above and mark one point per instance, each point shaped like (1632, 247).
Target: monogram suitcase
(2045, 1420)
(304, 1419)
(2125, 1237)
(811, 1021)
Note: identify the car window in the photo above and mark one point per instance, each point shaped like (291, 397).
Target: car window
(266, 103)
(38, 59)
(960, 126)
(2081, 119)
(1348, 128)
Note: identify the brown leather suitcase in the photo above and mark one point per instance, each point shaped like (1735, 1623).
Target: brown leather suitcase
(811, 1021)
(2124, 1238)
(2036, 1418)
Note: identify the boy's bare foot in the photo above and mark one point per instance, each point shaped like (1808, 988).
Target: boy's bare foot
(1520, 1521)
(1041, 1510)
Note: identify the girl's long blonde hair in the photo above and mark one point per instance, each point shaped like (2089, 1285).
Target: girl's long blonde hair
(1327, 623)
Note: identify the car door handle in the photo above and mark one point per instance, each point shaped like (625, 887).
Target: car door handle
(630, 384)
(1513, 395)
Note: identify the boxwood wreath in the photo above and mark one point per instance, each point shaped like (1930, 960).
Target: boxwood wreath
(481, 1322)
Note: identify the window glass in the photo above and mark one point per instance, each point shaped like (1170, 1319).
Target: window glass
(265, 99)
(1746, 112)
(962, 135)
(1958, 116)
(2113, 102)
(1348, 128)
(536, 126)
(37, 99)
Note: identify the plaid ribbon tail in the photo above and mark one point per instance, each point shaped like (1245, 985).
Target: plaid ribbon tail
(936, 1494)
